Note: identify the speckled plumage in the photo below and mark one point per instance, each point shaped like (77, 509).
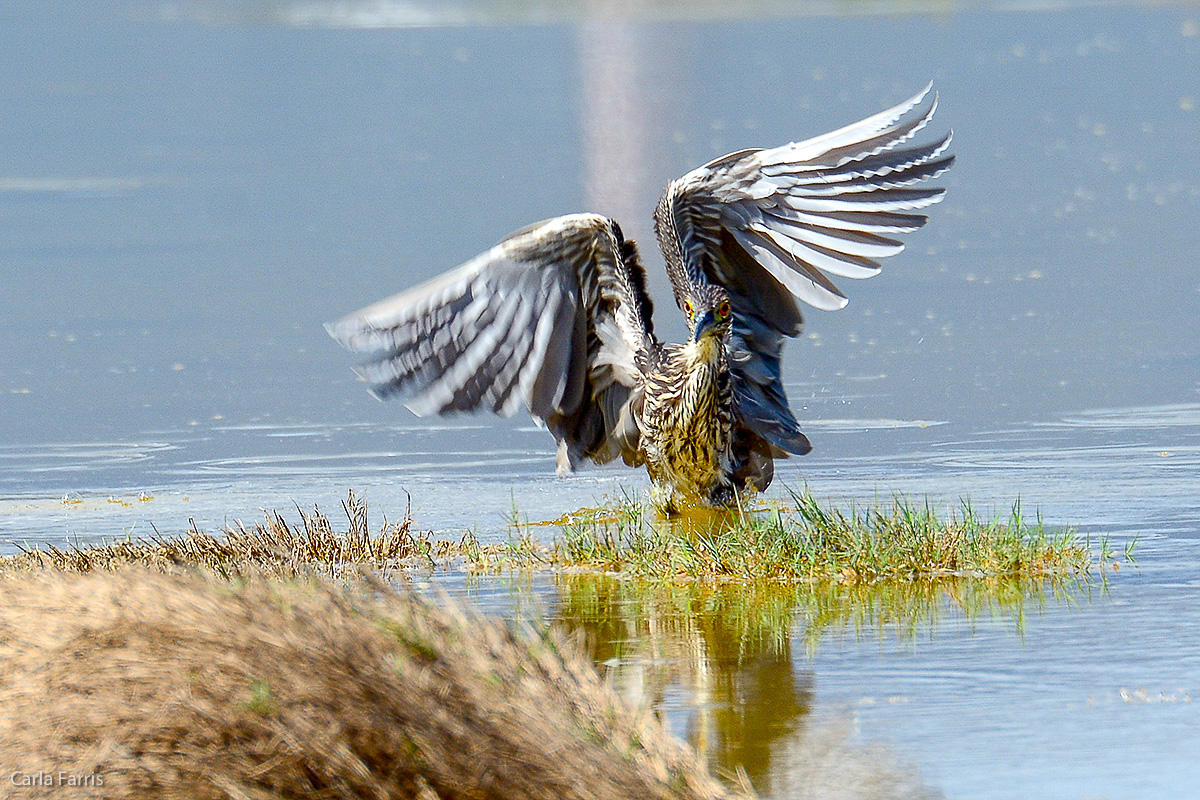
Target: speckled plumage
(557, 318)
(688, 416)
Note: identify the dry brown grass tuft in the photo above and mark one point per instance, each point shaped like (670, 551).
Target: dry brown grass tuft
(177, 686)
(271, 547)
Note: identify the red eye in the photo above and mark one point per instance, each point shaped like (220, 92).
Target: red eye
(687, 307)
(723, 309)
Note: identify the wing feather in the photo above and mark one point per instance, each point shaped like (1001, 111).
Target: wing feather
(554, 318)
(871, 222)
(862, 137)
(537, 380)
(771, 226)
(798, 277)
(808, 249)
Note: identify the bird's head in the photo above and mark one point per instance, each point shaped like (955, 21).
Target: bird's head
(708, 311)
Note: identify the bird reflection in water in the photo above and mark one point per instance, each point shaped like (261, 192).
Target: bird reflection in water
(728, 647)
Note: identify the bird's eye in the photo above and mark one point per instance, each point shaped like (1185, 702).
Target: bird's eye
(723, 309)
(687, 308)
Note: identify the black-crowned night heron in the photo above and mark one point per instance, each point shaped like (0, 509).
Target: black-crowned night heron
(556, 317)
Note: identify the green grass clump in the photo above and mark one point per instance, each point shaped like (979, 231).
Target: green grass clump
(805, 540)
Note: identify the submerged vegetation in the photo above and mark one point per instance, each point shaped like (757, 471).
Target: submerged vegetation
(763, 616)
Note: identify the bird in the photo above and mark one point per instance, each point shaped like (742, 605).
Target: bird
(557, 317)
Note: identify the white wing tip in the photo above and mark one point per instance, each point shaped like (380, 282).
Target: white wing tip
(334, 329)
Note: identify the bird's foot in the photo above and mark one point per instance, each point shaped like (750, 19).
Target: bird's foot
(722, 495)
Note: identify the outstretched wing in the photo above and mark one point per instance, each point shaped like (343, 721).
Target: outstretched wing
(555, 317)
(771, 226)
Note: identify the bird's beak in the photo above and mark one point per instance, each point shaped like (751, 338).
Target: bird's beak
(704, 325)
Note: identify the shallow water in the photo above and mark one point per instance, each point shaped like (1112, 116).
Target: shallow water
(188, 190)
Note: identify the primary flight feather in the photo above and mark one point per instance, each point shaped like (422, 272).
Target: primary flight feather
(556, 317)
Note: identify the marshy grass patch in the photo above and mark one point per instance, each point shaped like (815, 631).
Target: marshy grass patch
(796, 540)
(805, 540)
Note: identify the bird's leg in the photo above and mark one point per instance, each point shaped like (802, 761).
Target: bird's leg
(563, 462)
(664, 498)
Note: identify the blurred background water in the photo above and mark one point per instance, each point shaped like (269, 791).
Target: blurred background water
(189, 189)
